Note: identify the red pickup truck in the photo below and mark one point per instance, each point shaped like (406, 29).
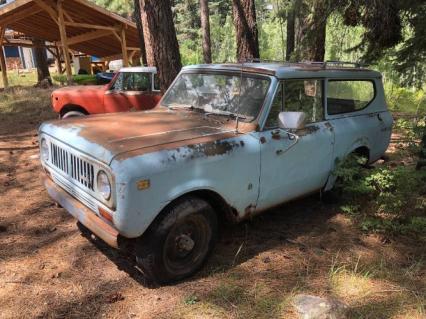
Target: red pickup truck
(135, 88)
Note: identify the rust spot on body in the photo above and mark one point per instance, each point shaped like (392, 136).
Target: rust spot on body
(308, 130)
(276, 135)
(213, 149)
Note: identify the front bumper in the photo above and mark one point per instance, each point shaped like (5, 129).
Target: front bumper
(88, 218)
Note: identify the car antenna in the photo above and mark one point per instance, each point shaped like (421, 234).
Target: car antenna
(239, 98)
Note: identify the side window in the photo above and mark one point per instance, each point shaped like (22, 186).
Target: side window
(141, 82)
(276, 108)
(345, 96)
(304, 96)
(123, 82)
(156, 82)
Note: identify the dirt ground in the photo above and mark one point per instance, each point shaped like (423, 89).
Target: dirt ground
(49, 270)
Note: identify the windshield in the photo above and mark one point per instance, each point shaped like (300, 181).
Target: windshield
(223, 94)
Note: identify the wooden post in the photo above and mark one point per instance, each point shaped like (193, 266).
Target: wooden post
(3, 59)
(124, 47)
(64, 41)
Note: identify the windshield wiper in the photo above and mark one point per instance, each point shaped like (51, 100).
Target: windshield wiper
(226, 113)
(181, 107)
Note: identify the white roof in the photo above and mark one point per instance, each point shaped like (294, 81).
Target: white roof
(140, 69)
(289, 70)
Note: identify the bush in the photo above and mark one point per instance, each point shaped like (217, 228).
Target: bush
(384, 200)
(406, 100)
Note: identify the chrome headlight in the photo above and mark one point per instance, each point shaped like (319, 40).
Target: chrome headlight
(103, 185)
(44, 150)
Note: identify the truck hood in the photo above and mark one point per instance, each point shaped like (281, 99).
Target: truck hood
(81, 89)
(108, 135)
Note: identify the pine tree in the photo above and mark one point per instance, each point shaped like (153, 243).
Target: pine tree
(162, 45)
(205, 27)
(244, 13)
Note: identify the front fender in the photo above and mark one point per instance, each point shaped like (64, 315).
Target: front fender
(232, 172)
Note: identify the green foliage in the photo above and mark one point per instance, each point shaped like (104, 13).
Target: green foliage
(81, 79)
(353, 34)
(385, 200)
(124, 8)
(405, 100)
(191, 300)
(412, 226)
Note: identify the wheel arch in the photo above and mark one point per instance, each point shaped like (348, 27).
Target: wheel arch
(363, 151)
(72, 107)
(225, 213)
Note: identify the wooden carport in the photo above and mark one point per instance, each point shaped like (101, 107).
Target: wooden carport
(76, 25)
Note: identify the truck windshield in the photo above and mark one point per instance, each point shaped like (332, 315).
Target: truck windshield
(222, 94)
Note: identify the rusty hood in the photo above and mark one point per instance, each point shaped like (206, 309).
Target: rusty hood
(81, 89)
(108, 135)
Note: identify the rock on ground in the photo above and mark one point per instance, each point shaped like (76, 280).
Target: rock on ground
(313, 307)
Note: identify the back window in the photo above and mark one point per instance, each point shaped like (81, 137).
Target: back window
(344, 96)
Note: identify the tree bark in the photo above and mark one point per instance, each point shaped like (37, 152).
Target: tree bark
(205, 27)
(290, 34)
(40, 56)
(138, 19)
(310, 31)
(159, 30)
(318, 25)
(244, 13)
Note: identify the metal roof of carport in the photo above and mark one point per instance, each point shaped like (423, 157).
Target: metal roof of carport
(73, 24)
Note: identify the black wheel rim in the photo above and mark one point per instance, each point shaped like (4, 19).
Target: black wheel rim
(187, 244)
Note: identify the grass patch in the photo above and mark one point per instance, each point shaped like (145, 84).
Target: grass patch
(24, 108)
(20, 79)
(79, 79)
(377, 289)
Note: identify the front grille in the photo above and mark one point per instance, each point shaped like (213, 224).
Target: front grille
(81, 196)
(72, 165)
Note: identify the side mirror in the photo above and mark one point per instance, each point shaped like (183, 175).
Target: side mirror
(292, 120)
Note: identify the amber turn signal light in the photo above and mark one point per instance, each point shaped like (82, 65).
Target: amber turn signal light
(105, 214)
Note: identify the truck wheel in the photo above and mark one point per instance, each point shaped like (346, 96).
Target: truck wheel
(72, 114)
(178, 243)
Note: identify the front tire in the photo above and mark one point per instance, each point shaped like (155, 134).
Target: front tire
(179, 241)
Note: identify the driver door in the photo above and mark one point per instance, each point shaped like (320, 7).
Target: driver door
(140, 95)
(295, 163)
(131, 91)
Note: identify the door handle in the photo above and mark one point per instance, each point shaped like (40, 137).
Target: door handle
(379, 117)
(276, 135)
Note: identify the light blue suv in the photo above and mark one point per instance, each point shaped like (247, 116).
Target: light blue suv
(225, 142)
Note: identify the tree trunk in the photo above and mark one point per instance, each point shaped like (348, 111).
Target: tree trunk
(138, 19)
(40, 55)
(290, 34)
(244, 13)
(310, 31)
(159, 30)
(205, 27)
(318, 25)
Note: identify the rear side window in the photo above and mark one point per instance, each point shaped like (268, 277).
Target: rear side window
(344, 96)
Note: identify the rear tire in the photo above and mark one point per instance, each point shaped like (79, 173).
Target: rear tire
(178, 243)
